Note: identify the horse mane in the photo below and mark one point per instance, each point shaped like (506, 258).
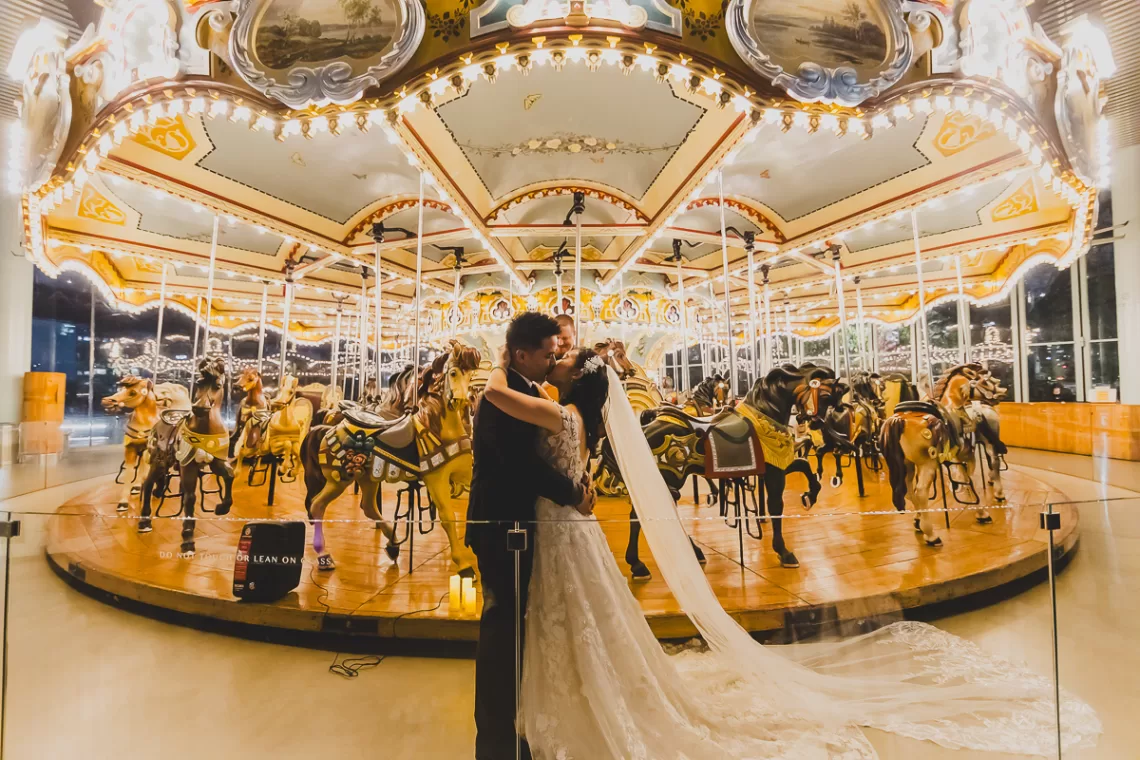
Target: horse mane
(430, 411)
(704, 391)
(130, 381)
(396, 397)
(944, 381)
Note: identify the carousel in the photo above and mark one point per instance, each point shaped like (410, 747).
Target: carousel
(708, 190)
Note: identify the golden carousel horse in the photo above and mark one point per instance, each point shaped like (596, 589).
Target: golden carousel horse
(642, 392)
(276, 431)
(432, 445)
(249, 383)
(146, 401)
(191, 440)
(922, 435)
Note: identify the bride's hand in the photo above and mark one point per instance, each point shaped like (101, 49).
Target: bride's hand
(503, 357)
(589, 498)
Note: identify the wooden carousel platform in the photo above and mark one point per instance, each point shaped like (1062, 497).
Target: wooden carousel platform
(852, 565)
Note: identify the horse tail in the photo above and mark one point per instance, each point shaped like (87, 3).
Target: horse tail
(988, 428)
(310, 461)
(890, 443)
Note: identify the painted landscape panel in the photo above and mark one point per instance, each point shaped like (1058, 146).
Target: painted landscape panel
(299, 32)
(831, 33)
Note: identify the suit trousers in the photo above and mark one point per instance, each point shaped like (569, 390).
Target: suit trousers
(495, 675)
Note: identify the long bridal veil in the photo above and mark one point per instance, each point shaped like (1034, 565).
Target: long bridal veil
(907, 678)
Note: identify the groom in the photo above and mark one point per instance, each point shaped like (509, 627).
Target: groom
(508, 476)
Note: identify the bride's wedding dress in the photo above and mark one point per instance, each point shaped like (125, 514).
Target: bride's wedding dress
(597, 684)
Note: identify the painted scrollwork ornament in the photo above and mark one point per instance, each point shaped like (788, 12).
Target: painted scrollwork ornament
(999, 41)
(302, 52)
(829, 51)
(136, 40)
(1086, 62)
(39, 63)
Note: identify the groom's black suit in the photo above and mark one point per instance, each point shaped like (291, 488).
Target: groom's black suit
(507, 478)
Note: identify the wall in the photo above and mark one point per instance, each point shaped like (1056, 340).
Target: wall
(15, 299)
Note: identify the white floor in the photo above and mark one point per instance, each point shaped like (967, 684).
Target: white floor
(90, 681)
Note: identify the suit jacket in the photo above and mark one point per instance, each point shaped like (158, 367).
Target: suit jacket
(508, 473)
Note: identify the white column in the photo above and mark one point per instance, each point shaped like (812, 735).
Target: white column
(1126, 210)
(16, 281)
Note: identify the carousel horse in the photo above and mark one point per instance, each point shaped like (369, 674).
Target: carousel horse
(642, 392)
(192, 440)
(851, 429)
(145, 400)
(249, 382)
(896, 389)
(750, 440)
(431, 444)
(288, 426)
(709, 396)
(922, 435)
(324, 399)
(989, 391)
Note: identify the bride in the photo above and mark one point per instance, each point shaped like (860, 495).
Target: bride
(596, 683)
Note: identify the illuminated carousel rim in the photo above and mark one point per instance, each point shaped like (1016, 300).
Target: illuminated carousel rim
(93, 553)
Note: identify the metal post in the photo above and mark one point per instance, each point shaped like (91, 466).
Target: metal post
(158, 333)
(194, 348)
(285, 330)
(788, 330)
(963, 314)
(416, 310)
(842, 311)
(379, 288)
(749, 245)
(921, 298)
(766, 364)
(860, 324)
(90, 375)
(210, 286)
(261, 326)
(732, 383)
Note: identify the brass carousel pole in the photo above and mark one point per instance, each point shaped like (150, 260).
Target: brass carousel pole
(921, 299)
(577, 210)
(416, 310)
(749, 245)
(158, 334)
(684, 384)
(261, 326)
(336, 343)
(768, 338)
(194, 347)
(963, 314)
(210, 286)
(732, 383)
(842, 311)
(285, 326)
(860, 325)
(788, 331)
(378, 237)
(363, 332)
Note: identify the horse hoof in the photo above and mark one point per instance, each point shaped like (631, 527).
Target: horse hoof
(836, 482)
(379, 525)
(122, 506)
(467, 572)
(917, 525)
(787, 559)
(700, 555)
(186, 549)
(223, 509)
(136, 490)
(145, 526)
(325, 563)
(639, 572)
(985, 520)
(935, 544)
(393, 552)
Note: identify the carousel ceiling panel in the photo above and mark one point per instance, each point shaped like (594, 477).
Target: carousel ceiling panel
(553, 210)
(333, 176)
(618, 131)
(166, 215)
(707, 219)
(796, 173)
(963, 212)
(541, 248)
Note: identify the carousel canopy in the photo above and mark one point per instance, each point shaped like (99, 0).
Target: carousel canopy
(518, 155)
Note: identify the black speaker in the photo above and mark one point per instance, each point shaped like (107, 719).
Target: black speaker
(268, 561)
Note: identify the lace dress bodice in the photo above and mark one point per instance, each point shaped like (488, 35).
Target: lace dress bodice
(563, 450)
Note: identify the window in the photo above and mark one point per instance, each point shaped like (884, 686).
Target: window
(818, 351)
(991, 341)
(1052, 373)
(894, 347)
(942, 327)
(1051, 360)
(1098, 272)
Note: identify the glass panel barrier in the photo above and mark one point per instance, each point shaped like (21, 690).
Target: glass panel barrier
(112, 628)
(1096, 591)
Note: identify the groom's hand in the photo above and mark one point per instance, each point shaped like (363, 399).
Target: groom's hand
(589, 499)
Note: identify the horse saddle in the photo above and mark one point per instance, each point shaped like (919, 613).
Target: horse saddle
(394, 434)
(173, 417)
(954, 424)
(732, 449)
(700, 425)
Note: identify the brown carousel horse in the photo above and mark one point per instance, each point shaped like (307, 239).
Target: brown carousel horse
(751, 440)
(708, 397)
(851, 429)
(192, 440)
(432, 444)
(145, 400)
(922, 435)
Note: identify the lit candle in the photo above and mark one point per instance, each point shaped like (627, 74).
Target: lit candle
(468, 596)
(453, 598)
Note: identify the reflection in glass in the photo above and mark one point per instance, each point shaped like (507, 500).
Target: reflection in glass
(1048, 305)
(991, 340)
(894, 350)
(818, 351)
(1052, 373)
(1104, 367)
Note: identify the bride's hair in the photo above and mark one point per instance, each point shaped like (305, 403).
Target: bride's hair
(589, 393)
